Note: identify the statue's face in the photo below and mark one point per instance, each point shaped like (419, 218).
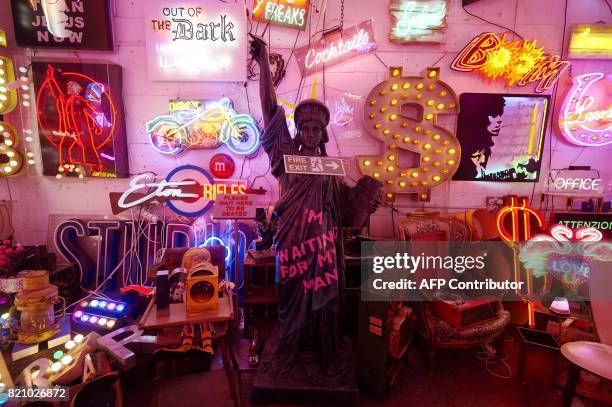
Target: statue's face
(312, 133)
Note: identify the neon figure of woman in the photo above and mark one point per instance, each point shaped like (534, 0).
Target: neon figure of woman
(80, 117)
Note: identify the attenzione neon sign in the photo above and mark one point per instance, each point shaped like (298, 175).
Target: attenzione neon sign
(586, 116)
(517, 62)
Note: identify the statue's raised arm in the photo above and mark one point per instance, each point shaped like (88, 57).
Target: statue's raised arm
(266, 86)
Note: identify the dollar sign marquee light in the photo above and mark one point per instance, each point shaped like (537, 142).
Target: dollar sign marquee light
(438, 148)
(8, 102)
(518, 216)
(586, 116)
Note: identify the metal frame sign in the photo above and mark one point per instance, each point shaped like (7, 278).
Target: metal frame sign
(63, 24)
(297, 164)
(417, 20)
(591, 41)
(335, 48)
(196, 40)
(286, 13)
(231, 206)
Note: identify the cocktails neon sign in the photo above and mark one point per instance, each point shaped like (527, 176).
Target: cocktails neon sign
(586, 116)
(286, 13)
(203, 124)
(518, 62)
(417, 21)
(333, 49)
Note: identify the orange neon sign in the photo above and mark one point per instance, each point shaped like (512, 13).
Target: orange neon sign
(520, 229)
(517, 62)
(286, 13)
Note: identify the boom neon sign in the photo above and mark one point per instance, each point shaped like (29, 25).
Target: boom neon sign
(586, 116)
(201, 125)
(518, 62)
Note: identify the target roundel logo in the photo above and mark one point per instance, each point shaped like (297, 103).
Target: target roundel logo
(195, 207)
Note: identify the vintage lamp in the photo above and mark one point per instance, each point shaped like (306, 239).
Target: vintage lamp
(202, 288)
(37, 321)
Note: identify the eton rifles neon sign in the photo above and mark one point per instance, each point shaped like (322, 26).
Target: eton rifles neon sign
(335, 48)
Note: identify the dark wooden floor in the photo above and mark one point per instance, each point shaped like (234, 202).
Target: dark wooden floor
(460, 379)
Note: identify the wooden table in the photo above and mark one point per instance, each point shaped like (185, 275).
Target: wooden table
(569, 199)
(176, 315)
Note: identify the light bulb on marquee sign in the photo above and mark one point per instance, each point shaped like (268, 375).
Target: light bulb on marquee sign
(438, 148)
(8, 101)
(8, 95)
(586, 116)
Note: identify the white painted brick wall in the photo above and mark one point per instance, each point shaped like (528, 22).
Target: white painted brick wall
(38, 200)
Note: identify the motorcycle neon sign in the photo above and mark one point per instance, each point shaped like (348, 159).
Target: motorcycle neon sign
(204, 125)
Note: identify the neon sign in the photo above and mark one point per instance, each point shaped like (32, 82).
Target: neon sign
(196, 40)
(520, 220)
(437, 146)
(188, 190)
(586, 116)
(10, 140)
(520, 229)
(115, 242)
(81, 119)
(417, 20)
(577, 184)
(565, 253)
(334, 48)
(63, 24)
(8, 95)
(517, 62)
(286, 13)
(591, 41)
(204, 124)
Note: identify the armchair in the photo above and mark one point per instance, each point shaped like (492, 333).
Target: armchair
(436, 332)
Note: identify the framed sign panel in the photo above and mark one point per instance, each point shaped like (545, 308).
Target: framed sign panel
(83, 25)
(501, 137)
(284, 13)
(196, 40)
(79, 110)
